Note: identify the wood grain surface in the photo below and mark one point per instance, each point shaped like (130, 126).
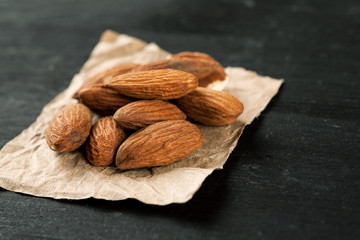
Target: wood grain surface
(295, 173)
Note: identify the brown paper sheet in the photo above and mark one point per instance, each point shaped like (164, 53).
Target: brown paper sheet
(27, 165)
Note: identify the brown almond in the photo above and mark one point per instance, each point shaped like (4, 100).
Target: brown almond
(197, 55)
(154, 84)
(100, 77)
(104, 140)
(210, 107)
(159, 144)
(69, 128)
(104, 101)
(217, 75)
(162, 64)
(198, 64)
(139, 114)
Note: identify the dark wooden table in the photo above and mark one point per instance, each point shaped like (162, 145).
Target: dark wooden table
(295, 173)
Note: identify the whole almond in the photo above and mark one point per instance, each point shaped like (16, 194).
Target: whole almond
(100, 77)
(162, 64)
(196, 55)
(154, 84)
(198, 64)
(218, 72)
(139, 114)
(217, 75)
(210, 107)
(159, 144)
(104, 101)
(69, 128)
(104, 139)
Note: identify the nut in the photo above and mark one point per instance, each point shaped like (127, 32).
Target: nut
(217, 75)
(104, 101)
(100, 77)
(139, 114)
(210, 107)
(69, 128)
(154, 84)
(198, 64)
(159, 144)
(104, 139)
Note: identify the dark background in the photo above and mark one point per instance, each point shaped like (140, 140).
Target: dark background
(295, 172)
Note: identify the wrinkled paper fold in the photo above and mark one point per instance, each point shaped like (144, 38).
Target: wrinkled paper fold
(27, 164)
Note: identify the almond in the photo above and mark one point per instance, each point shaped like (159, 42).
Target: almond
(162, 64)
(139, 114)
(217, 75)
(104, 140)
(104, 101)
(154, 84)
(198, 64)
(195, 55)
(69, 128)
(159, 144)
(100, 77)
(210, 107)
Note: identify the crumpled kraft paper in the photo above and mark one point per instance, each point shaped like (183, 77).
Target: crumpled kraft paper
(27, 164)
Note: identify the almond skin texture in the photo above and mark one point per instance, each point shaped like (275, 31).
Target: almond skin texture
(142, 113)
(198, 64)
(217, 75)
(104, 101)
(162, 64)
(100, 77)
(210, 107)
(69, 128)
(104, 140)
(196, 55)
(159, 144)
(154, 84)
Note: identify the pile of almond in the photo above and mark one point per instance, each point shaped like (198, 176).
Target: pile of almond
(144, 111)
